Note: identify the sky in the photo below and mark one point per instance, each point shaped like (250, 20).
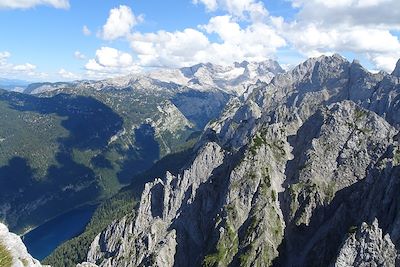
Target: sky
(62, 40)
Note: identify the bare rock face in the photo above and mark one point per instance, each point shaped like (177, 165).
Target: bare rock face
(368, 247)
(13, 251)
(396, 71)
(149, 239)
(279, 180)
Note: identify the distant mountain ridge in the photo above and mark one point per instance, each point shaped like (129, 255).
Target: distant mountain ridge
(232, 79)
(13, 84)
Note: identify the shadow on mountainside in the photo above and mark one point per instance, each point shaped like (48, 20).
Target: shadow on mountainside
(142, 155)
(67, 183)
(89, 122)
(318, 243)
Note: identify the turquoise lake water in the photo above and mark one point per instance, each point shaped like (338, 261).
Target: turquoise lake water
(42, 240)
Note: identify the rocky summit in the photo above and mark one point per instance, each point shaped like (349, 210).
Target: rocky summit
(303, 171)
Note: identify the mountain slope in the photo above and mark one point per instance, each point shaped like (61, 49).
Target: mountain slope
(40, 142)
(83, 140)
(83, 144)
(280, 179)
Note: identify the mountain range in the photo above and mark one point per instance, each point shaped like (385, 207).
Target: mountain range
(84, 140)
(288, 168)
(304, 172)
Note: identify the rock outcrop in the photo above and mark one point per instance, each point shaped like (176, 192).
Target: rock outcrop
(13, 252)
(396, 71)
(367, 247)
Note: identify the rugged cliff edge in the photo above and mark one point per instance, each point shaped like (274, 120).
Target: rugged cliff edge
(13, 252)
(302, 172)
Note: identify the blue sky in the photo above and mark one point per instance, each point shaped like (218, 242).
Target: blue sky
(40, 39)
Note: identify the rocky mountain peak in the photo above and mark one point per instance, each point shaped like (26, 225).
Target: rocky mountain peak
(396, 71)
(242, 64)
(190, 71)
(319, 67)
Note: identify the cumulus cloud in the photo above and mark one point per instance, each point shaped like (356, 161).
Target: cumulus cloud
(67, 75)
(111, 57)
(18, 70)
(110, 62)
(248, 32)
(25, 4)
(169, 49)
(120, 23)
(211, 5)
(242, 9)
(4, 57)
(79, 55)
(363, 27)
(356, 39)
(27, 67)
(382, 13)
(255, 42)
(359, 26)
(86, 31)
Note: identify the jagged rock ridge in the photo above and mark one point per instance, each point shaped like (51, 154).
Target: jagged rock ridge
(283, 178)
(232, 79)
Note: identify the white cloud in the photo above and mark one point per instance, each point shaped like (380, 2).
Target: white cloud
(169, 49)
(120, 23)
(359, 26)
(23, 71)
(110, 62)
(79, 55)
(255, 42)
(211, 5)
(25, 4)
(248, 32)
(4, 57)
(241, 9)
(27, 67)
(67, 75)
(86, 31)
(355, 39)
(384, 61)
(111, 57)
(382, 13)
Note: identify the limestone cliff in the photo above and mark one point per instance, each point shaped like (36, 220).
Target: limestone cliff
(291, 175)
